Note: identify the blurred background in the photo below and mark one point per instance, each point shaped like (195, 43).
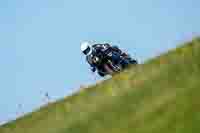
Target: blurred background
(40, 57)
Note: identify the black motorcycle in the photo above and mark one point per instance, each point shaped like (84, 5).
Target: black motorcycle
(112, 62)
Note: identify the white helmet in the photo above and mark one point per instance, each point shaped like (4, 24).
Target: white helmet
(86, 48)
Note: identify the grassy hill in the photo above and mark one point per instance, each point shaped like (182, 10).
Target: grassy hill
(163, 95)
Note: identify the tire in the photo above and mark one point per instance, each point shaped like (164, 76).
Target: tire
(124, 63)
(133, 62)
(101, 74)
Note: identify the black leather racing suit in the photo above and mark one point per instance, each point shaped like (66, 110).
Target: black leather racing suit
(98, 50)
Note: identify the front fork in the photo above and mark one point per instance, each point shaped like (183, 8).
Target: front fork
(111, 69)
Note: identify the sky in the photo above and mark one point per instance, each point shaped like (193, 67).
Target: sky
(40, 42)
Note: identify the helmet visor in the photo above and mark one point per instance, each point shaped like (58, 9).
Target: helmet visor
(87, 51)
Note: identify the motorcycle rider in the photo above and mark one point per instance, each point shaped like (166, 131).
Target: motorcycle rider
(97, 50)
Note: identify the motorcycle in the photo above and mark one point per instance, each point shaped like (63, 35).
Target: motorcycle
(111, 63)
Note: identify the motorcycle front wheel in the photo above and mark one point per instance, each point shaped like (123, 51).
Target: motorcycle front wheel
(101, 74)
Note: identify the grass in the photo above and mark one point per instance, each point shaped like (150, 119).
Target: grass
(161, 95)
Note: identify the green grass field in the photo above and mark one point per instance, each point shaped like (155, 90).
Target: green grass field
(160, 96)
